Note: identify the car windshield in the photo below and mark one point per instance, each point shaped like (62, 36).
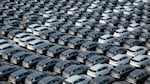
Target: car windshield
(92, 70)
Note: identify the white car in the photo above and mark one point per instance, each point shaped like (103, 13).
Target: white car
(140, 60)
(33, 44)
(121, 32)
(50, 21)
(73, 11)
(107, 13)
(120, 59)
(20, 35)
(81, 22)
(134, 26)
(77, 79)
(38, 30)
(118, 9)
(99, 70)
(31, 27)
(105, 20)
(5, 42)
(106, 39)
(48, 13)
(137, 50)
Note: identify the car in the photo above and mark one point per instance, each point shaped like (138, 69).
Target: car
(69, 55)
(8, 54)
(49, 22)
(140, 61)
(146, 29)
(55, 37)
(42, 49)
(106, 39)
(102, 80)
(65, 39)
(132, 42)
(119, 59)
(65, 28)
(12, 33)
(17, 37)
(74, 70)
(116, 50)
(104, 20)
(6, 47)
(23, 42)
(99, 70)
(35, 77)
(31, 61)
(55, 51)
(137, 50)
(74, 30)
(30, 17)
(48, 13)
(134, 26)
(79, 79)
(76, 43)
(93, 36)
(120, 82)
(38, 30)
(51, 80)
(46, 64)
(6, 70)
(88, 46)
(60, 66)
(121, 32)
(96, 59)
(9, 12)
(148, 44)
(102, 48)
(35, 43)
(19, 57)
(120, 41)
(31, 27)
(83, 33)
(4, 31)
(6, 41)
(46, 34)
(17, 7)
(135, 34)
(122, 71)
(25, 24)
(82, 57)
(18, 76)
(144, 37)
(137, 76)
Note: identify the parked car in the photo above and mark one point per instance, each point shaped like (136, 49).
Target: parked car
(76, 43)
(12, 33)
(64, 40)
(56, 36)
(60, 66)
(140, 61)
(46, 34)
(102, 80)
(31, 27)
(51, 80)
(119, 59)
(121, 32)
(106, 39)
(137, 50)
(17, 37)
(83, 33)
(134, 26)
(74, 70)
(137, 76)
(68, 55)
(55, 51)
(120, 82)
(46, 64)
(96, 59)
(31, 61)
(93, 36)
(147, 80)
(74, 30)
(99, 70)
(18, 76)
(132, 42)
(122, 71)
(144, 37)
(77, 79)
(88, 46)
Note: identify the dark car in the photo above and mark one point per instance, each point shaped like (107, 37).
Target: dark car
(74, 30)
(132, 42)
(25, 8)
(122, 71)
(120, 41)
(137, 76)
(18, 76)
(110, 29)
(76, 43)
(82, 57)
(55, 36)
(103, 48)
(25, 24)
(135, 34)
(68, 55)
(74, 70)
(60, 66)
(3, 18)
(55, 51)
(46, 34)
(65, 39)
(88, 46)
(102, 80)
(17, 7)
(19, 14)
(6, 70)
(42, 49)
(95, 59)
(116, 50)
(146, 28)
(83, 33)
(46, 64)
(65, 28)
(12, 33)
(93, 36)
(2, 10)
(144, 37)
(52, 80)
(9, 12)
(6, 30)
(30, 17)
(147, 81)
(8, 54)
(31, 61)
(19, 57)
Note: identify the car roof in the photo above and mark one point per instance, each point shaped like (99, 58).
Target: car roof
(106, 36)
(134, 48)
(34, 74)
(72, 67)
(118, 56)
(139, 57)
(73, 78)
(137, 72)
(21, 71)
(98, 66)
(121, 67)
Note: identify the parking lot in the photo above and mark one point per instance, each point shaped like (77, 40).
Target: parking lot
(74, 41)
